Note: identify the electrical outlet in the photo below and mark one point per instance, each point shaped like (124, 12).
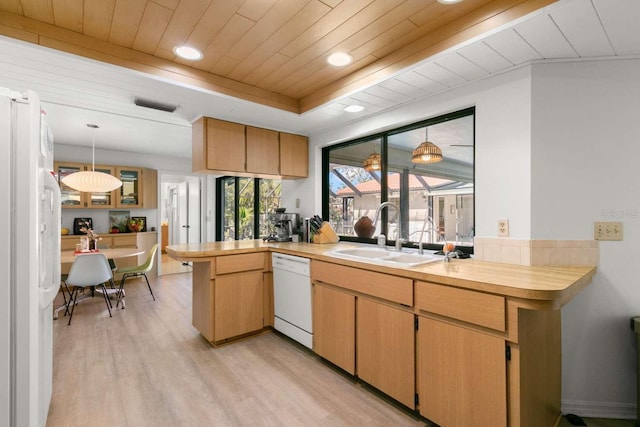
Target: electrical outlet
(503, 228)
(607, 230)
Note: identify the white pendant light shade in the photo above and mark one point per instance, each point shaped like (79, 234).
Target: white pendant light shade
(92, 181)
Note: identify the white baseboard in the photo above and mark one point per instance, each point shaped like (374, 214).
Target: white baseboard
(615, 410)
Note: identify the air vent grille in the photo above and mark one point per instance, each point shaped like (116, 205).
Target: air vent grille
(155, 105)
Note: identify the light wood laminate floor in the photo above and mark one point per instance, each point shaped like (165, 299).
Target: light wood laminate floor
(147, 366)
(169, 265)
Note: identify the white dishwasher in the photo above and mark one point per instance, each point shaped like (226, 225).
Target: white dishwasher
(292, 297)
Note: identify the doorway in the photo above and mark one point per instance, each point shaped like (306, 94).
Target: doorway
(181, 217)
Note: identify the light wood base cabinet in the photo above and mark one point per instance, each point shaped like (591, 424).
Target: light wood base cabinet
(230, 298)
(386, 349)
(334, 326)
(462, 379)
(370, 337)
(238, 302)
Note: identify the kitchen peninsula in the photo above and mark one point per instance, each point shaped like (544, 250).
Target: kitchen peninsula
(460, 342)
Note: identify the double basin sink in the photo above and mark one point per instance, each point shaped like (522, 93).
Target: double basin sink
(383, 256)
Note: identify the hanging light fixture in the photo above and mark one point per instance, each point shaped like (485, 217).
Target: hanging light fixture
(372, 163)
(92, 181)
(427, 152)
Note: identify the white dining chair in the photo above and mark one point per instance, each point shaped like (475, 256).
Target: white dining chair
(89, 270)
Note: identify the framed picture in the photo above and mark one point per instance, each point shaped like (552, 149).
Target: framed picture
(138, 223)
(81, 223)
(119, 221)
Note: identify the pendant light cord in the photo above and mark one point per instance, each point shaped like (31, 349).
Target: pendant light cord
(93, 147)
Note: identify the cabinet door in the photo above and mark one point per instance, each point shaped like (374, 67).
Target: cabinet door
(386, 349)
(294, 155)
(461, 375)
(130, 194)
(225, 146)
(150, 188)
(102, 200)
(263, 151)
(238, 304)
(334, 321)
(70, 198)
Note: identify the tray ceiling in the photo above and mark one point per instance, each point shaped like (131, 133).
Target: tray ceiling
(272, 52)
(100, 88)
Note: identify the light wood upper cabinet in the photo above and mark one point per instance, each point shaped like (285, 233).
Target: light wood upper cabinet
(263, 151)
(294, 155)
(130, 194)
(74, 199)
(139, 188)
(150, 188)
(235, 149)
(218, 145)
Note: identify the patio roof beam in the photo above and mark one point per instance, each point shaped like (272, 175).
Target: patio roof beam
(424, 183)
(347, 182)
(448, 186)
(374, 176)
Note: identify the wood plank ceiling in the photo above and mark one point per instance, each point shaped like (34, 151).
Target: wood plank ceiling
(272, 52)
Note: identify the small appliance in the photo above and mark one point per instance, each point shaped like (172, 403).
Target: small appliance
(285, 225)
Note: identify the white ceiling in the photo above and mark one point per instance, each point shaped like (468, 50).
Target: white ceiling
(76, 91)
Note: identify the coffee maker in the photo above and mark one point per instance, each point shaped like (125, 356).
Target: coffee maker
(285, 225)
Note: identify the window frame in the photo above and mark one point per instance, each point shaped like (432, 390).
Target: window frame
(220, 183)
(384, 189)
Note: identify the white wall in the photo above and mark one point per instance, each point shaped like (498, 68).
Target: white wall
(585, 161)
(69, 153)
(503, 168)
(557, 147)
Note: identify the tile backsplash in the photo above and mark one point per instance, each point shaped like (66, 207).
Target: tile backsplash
(536, 252)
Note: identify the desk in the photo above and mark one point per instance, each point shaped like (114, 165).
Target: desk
(67, 257)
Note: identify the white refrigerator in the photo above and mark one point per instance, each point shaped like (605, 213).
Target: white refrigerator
(29, 259)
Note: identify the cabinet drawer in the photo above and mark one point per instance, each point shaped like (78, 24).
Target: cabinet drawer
(469, 306)
(125, 241)
(69, 244)
(235, 263)
(385, 286)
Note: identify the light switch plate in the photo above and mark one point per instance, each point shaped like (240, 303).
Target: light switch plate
(503, 228)
(607, 231)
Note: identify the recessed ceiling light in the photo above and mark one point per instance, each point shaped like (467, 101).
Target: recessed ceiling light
(187, 52)
(353, 108)
(449, 1)
(339, 59)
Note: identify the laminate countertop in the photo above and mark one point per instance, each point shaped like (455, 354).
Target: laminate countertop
(539, 287)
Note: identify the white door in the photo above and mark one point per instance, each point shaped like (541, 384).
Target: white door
(183, 213)
(193, 208)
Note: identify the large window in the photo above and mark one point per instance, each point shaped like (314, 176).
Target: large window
(242, 211)
(435, 201)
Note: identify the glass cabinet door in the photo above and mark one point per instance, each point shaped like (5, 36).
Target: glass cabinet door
(102, 200)
(129, 194)
(70, 198)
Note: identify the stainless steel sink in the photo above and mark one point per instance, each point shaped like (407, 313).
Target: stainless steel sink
(377, 255)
